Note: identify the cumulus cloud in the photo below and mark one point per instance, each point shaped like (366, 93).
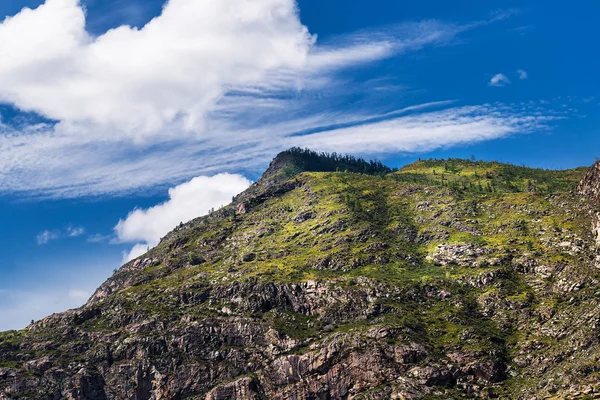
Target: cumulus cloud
(522, 74)
(499, 80)
(186, 202)
(136, 251)
(137, 81)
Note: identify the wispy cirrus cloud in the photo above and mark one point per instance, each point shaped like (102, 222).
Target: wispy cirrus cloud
(522, 74)
(48, 236)
(99, 238)
(431, 130)
(75, 231)
(115, 168)
(45, 237)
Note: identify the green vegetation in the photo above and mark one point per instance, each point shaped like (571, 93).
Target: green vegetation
(297, 160)
(489, 177)
(468, 254)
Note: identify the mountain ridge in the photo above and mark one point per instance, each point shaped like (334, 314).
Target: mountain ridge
(393, 284)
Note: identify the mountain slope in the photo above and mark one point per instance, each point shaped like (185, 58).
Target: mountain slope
(357, 282)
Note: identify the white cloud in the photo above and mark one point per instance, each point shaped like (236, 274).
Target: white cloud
(428, 131)
(372, 45)
(139, 81)
(499, 80)
(70, 232)
(522, 74)
(136, 251)
(246, 142)
(46, 236)
(186, 202)
(98, 238)
(75, 231)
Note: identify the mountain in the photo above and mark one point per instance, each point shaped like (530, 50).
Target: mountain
(336, 278)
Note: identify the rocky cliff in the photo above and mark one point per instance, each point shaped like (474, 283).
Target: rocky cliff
(590, 183)
(334, 278)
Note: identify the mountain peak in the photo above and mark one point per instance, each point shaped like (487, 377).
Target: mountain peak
(294, 161)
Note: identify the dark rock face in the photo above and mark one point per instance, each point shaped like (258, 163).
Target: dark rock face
(340, 286)
(590, 186)
(188, 358)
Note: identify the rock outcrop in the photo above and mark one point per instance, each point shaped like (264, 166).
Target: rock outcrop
(590, 183)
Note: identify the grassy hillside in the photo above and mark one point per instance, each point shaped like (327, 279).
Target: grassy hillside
(490, 177)
(481, 275)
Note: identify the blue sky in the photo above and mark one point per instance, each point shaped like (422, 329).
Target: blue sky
(107, 120)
